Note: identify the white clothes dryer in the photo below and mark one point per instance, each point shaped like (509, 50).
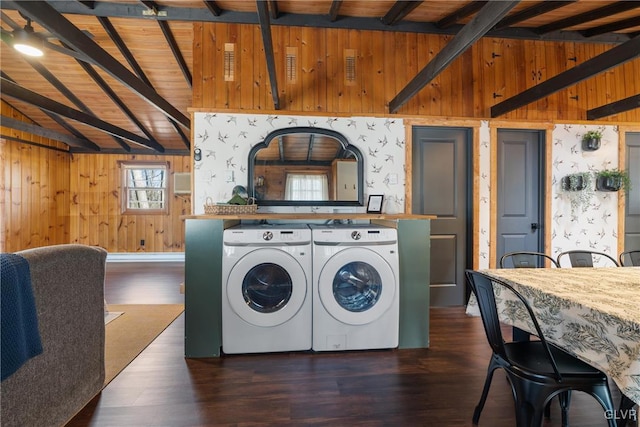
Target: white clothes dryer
(266, 288)
(356, 303)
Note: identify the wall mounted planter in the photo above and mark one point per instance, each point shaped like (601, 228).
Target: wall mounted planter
(608, 183)
(591, 144)
(573, 183)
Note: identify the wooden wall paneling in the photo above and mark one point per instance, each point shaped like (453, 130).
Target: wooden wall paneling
(315, 50)
(5, 178)
(333, 60)
(412, 69)
(366, 72)
(197, 66)
(479, 71)
(542, 106)
(426, 49)
(41, 182)
(249, 53)
(375, 75)
(389, 70)
(508, 64)
(488, 75)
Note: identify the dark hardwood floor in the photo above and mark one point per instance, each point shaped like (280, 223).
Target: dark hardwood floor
(438, 386)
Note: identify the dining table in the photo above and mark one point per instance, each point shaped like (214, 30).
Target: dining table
(592, 313)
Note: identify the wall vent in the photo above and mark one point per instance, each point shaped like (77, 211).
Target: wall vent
(291, 65)
(229, 62)
(350, 67)
(182, 183)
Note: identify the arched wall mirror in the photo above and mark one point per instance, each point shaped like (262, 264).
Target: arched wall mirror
(306, 166)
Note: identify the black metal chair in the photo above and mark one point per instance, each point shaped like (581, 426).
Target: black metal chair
(583, 258)
(537, 370)
(526, 259)
(632, 256)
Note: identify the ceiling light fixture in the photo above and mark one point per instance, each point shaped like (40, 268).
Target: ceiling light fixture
(24, 41)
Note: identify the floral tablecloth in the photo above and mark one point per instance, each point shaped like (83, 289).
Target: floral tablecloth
(593, 313)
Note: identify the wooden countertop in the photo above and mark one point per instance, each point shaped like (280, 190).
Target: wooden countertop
(312, 216)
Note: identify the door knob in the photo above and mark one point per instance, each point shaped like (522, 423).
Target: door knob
(534, 226)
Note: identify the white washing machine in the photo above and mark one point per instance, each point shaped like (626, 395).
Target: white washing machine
(356, 303)
(266, 288)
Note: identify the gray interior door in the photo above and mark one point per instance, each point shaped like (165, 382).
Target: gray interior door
(519, 192)
(632, 209)
(441, 165)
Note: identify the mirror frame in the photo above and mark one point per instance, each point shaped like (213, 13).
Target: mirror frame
(306, 129)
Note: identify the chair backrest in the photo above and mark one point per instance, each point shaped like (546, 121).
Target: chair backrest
(632, 256)
(583, 258)
(483, 288)
(526, 259)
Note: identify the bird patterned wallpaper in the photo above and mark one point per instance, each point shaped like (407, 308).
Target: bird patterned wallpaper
(226, 139)
(594, 225)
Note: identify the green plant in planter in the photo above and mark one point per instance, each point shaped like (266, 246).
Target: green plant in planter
(613, 180)
(591, 140)
(579, 190)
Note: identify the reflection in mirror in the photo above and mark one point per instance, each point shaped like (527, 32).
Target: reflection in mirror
(306, 166)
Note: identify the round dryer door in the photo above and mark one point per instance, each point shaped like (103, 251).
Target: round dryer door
(356, 286)
(266, 287)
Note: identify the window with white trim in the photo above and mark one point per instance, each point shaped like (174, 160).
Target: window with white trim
(306, 187)
(145, 187)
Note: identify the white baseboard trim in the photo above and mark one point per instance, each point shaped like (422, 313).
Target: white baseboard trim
(145, 257)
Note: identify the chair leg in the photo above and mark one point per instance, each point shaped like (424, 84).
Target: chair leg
(485, 391)
(565, 400)
(626, 405)
(547, 410)
(603, 395)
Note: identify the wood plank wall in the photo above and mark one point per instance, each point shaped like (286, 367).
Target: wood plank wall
(95, 217)
(49, 196)
(489, 72)
(34, 189)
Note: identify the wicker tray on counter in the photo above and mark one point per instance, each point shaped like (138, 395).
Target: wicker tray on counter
(211, 208)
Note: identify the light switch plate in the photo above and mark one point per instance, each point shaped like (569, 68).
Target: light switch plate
(393, 178)
(228, 176)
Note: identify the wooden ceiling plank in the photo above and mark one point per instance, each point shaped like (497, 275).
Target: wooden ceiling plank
(476, 28)
(213, 7)
(626, 104)
(16, 91)
(463, 12)
(61, 27)
(609, 59)
(334, 11)
(591, 15)
(398, 11)
(531, 12)
(614, 26)
(265, 30)
(71, 141)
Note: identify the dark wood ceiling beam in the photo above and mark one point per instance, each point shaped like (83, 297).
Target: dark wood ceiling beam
(89, 4)
(630, 103)
(274, 13)
(476, 28)
(265, 29)
(614, 26)
(613, 57)
(463, 12)
(128, 10)
(71, 141)
(133, 63)
(531, 12)
(60, 121)
(591, 15)
(398, 11)
(55, 82)
(213, 7)
(45, 15)
(25, 95)
(334, 11)
(116, 99)
(310, 147)
(173, 44)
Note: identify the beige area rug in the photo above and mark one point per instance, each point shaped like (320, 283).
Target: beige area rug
(130, 333)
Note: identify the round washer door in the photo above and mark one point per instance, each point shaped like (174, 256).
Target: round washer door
(266, 287)
(356, 286)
